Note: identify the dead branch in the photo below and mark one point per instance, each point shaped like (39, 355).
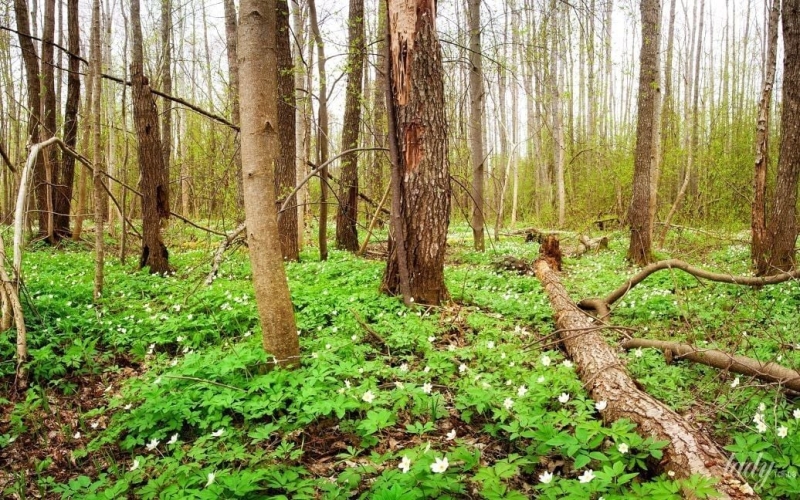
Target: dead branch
(689, 452)
(754, 281)
(224, 244)
(769, 371)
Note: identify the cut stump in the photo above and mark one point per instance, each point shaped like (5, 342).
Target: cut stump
(689, 451)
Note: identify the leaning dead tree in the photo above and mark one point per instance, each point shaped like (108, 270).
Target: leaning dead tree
(689, 452)
(600, 306)
(767, 371)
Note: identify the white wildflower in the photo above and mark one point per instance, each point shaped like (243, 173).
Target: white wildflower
(440, 465)
(638, 352)
(546, 360)
(622, 448)
(427, 388)
(490, 344)
(563, 398)
(135, 465)
(508, 403)
(217, 433)
(211, 477)
(462, 368)
(586, 476)
(601, 405)
(522, 390)
(783, 431)
(173, 439)
(546, 477)
(735, 383)
(451, 435)
(153, 444)
(405, 464)
(368, 397)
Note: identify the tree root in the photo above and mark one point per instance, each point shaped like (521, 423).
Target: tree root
(769, 372)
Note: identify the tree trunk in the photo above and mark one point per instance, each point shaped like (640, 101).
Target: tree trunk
(322, 131)
(689, 452)
(285, 175)
(233, 75)
(302, 115)
(758, 248)
(63, 189)
(155, 203)
(640, 249)
(782, 231)
(97, 158)
(258, 71)
(420, 166)
(30, 60)
(52, 163)
(475, 126)
(166, 84)
(379, 125)
(347, 217)
(558, 119)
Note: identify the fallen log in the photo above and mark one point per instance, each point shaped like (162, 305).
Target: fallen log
(689, 452)
(600, 306)
(769, 371)
(586, 244)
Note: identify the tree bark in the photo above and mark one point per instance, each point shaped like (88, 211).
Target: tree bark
(231, 34)
(420, 179)
(475, 126)
(97, 158)
(782, 231)
(322, 131)
(155, 201)
(63, 189)
(689, 452)
(285, 175)
(347, 216)
(640, 250)
(52, 163)
(258, 70)
(30, 59)
(166, 86)
(302, 118)
(758, 225)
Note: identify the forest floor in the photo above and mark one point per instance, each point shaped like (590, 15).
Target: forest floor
(161, 390)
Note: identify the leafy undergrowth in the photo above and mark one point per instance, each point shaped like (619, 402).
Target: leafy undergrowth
(162, 390)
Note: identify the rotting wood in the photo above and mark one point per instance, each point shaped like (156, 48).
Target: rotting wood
(605, 378)
(600, 306)
(767, 371)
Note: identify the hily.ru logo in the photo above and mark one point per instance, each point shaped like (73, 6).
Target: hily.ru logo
(753, 469)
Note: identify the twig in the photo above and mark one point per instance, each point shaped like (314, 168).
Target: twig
(204, 381)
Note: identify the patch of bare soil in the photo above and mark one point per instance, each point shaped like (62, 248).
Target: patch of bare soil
(53, 429)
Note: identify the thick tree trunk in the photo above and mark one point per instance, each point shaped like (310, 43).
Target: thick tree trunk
(258, 71)
(347, 216)
(418, 139)
(689, 452)
(231, 34)
(155, 203)
(63, 189)
(640, 249)
(758, 248)
(782, 230)
(475, 126)
(285, 175)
